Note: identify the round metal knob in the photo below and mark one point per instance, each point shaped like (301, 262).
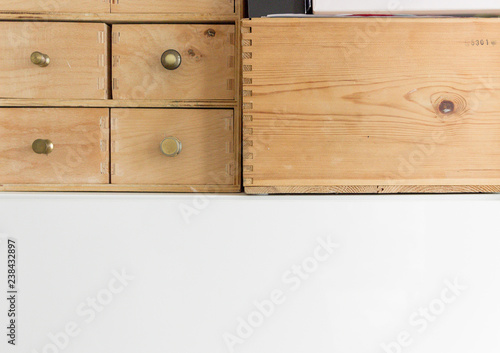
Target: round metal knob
(40, 59)
(41, 146)
(171, 59)
(171, 147)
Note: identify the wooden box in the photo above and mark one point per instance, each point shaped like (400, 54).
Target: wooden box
(371, 105)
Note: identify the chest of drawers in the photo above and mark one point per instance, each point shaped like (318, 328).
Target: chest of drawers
(120, 95)
(371, 105)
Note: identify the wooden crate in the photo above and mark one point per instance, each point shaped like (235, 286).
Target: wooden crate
(371, 105)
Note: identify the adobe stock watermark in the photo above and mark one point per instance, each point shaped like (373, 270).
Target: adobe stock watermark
(87, 311)
(422, 318)
(292, 280)
(201, 201)
(422, 152)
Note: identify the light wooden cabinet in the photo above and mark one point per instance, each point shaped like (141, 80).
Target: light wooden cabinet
(203, 154)
(54, 146)
(206, 55)
(371, 105)
(167, 72)
(73, 62)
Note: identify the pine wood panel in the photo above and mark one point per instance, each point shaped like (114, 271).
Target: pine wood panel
(80, 138)
(366, 102)
(207, 70)
(207, 156)
(55, 6)
(78, 66)
(174, 6)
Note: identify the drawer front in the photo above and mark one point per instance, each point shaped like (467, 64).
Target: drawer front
(71, 60)
(199, 144)
(403, 103)
(79, 153)
(206, 59)
(212, 7)
(51, 6)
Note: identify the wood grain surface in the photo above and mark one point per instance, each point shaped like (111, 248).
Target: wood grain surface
(55, 6)
(78, 66)
(207, 156)
(362, 103)
(80, 138)
(174, 6)
(207, 70)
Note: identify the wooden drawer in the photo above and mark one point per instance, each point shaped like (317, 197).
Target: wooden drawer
(371, 105)
(78, 67)
(55, 6)
(206, 156)
(214, 7)
(80, 140)
(207, 64)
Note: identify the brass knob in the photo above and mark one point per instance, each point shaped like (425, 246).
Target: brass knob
(41, 146)
(171, 59)
(171, 147)
(40, 59)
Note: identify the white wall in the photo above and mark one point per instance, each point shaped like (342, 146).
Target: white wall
(200, 263)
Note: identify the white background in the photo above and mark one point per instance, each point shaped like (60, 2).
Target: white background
(200, 263)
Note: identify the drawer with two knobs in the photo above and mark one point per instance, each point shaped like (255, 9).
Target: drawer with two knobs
(42, 60)
(118, 146)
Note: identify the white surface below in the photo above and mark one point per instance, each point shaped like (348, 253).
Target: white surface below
(252, 274)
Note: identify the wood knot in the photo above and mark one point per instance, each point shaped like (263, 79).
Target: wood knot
(446, 107)
(447, 104)
(210, 32)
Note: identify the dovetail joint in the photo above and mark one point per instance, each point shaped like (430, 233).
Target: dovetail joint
(230, 61)
(104, 168)
(248, 181)
(116, 37)
(104, 145)
(101, 37)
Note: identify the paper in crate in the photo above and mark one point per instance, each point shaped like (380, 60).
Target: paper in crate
(416, 7)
